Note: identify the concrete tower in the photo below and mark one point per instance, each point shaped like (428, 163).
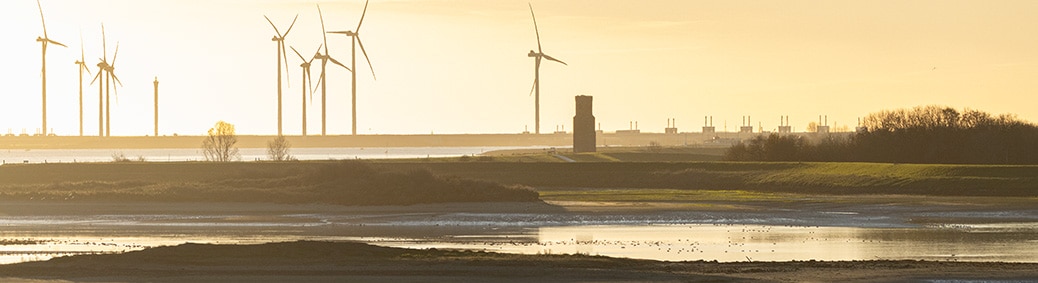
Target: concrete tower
(584, 126)
(156, 106)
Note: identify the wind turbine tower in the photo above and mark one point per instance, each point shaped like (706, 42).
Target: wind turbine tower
(111, 77)
(307, 80)
(44, 41)
(82, 66)
(537, 74)
(101, 66)
(355, 37)
(279, 38)
(104, 86)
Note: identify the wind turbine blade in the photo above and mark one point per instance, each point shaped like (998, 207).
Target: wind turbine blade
(323, 34)
(337, 63)
(82, 50)
(532, 87)
(365, 12)
(96, 77)
(55, 42)
(116, 89)
(310, 83)
(297, 53)
(339, 32)
(316, 54)
(535, 29)
(42, 20)
(319, 81)
(116, 79)
(553, 59)
(104, 44)
(366, 57)
(116, 57)
(284, 54)
(290, 26)
(272, 25)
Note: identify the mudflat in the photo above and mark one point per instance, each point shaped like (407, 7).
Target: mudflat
(344, 261)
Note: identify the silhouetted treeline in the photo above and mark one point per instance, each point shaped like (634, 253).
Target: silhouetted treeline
(929, 134)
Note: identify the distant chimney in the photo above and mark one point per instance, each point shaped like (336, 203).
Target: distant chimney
(584, 125)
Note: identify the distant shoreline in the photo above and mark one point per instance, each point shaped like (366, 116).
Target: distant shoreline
(336, 141)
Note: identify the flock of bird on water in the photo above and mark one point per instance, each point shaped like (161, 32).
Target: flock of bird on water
(106, 75)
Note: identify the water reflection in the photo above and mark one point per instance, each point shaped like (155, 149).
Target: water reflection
(662, 236)
(728, 243)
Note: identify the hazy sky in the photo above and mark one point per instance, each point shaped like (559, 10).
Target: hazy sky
(460, 66)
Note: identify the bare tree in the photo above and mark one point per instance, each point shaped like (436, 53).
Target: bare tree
(219, 146)
(277, 149)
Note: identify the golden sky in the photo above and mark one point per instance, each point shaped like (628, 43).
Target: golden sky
(460, 66)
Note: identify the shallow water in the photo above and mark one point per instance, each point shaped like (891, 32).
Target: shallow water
(247, 154)
(662, 236)
(1014, 242)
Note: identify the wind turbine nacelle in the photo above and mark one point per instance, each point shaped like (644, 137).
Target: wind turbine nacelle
(532, 54)
(275, 39)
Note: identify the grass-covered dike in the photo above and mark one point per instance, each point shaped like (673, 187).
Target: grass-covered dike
(342, 183)
(406, 183)
(792, 177)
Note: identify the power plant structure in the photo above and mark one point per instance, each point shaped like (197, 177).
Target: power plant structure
(632, 130)
(747, 126)
(784, 127)
(823, 125)
(860, 128)
(708, 125)
(672, 127)
(584, 125)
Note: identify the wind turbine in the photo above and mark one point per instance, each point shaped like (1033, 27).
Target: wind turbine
(279, 38)
(110, 70)
(307, 80)
(101, 66)
(82, 66)
(324, 68)
(355, 37)
(537, 74)
(44, 41)
(104, 86)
